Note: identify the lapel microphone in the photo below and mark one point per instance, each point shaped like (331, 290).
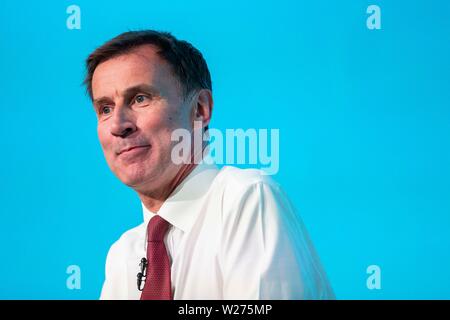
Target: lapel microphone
(141, 276)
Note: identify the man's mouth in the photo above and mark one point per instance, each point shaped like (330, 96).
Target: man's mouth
(132, 149)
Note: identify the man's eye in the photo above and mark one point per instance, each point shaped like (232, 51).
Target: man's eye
(140, 98)
(105, 110)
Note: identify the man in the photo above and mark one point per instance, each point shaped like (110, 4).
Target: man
(206, 233)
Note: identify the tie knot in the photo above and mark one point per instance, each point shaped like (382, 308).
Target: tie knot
(156, 229)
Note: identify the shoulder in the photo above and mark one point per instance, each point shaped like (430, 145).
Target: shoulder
(233, 178)
(250, 191)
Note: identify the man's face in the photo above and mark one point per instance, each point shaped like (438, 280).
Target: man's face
(139, 103)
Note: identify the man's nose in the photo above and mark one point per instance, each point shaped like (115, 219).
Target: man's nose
(122, 123)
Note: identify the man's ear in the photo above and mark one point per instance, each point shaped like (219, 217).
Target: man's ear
(202, 110)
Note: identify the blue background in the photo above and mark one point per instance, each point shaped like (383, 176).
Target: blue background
(364, 125)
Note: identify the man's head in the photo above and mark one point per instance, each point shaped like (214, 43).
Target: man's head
(144, 85)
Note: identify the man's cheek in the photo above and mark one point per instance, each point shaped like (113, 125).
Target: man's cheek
(106, 146)
(108, 153)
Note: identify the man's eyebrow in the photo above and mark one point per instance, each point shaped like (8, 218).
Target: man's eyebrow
(101, 100)
(129, 92)
(140, 88)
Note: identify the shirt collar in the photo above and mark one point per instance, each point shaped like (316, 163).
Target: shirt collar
(183, 205)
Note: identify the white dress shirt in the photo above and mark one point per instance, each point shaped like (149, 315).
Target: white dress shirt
(234, 235)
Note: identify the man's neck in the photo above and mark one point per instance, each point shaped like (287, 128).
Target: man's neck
(154, 202)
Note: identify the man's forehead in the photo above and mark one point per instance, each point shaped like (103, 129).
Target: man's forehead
(141, 65)
(144, 58)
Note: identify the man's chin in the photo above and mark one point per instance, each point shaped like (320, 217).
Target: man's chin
(132, 181)
(141, 176)
(131, 178)
(137, 179)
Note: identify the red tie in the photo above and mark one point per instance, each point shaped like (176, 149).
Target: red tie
(157, 283)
